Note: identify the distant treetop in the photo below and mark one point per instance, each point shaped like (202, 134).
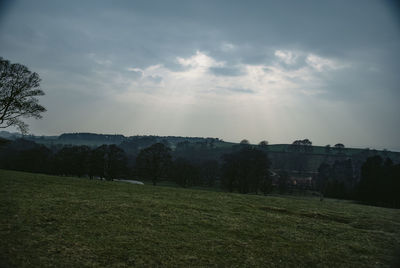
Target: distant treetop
(339, 145)
(90, 136)
(244, 142)
(299, 145)
(263, 143)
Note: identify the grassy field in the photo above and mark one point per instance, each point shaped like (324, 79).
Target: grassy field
(59, 221)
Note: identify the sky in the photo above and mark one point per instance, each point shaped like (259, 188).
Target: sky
(257, 70)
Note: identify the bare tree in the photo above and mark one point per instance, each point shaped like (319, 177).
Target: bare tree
(19, 88)
(153, 162)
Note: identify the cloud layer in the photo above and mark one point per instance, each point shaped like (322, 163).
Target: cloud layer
(272, 70)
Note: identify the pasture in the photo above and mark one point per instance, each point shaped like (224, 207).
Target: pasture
(62, 221)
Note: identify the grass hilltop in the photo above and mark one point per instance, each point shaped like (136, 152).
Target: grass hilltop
(60, 221)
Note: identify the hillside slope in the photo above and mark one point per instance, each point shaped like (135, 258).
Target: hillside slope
(48, 221)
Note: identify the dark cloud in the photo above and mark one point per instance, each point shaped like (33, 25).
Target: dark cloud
(87, 48)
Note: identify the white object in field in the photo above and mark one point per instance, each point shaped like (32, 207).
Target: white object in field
(130, 181)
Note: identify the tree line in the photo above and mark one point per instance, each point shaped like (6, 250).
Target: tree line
(377, 182)
(244, 169)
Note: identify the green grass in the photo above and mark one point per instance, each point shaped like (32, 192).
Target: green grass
(59, 221)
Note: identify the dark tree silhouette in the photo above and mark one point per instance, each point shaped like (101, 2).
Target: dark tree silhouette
(25, 155)
(19, 88)
(283, 182)
(324, 173)
(97, 165)
(244, 142)
(371, 173)
(209, 172)
(339, 147)
(153, 162)
(72, 160)
(263, 144)
(306, 142)
(184, 173)
(3, 141)
(245, 170)
(380, 182)
(301, 145)
(336, 180)
(107, 161)
(115, 162)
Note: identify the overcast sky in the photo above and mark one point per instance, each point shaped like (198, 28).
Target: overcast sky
(261, 70)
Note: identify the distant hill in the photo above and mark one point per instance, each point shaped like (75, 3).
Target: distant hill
(91, 138)
(94, 139)
(198, 149)
(10, 135)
